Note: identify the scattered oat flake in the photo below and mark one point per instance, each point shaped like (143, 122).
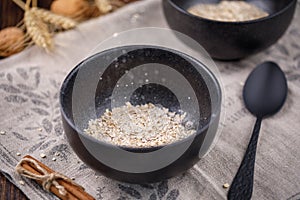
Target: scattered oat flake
(73, 178)
(2, 132)
(22, 182)
(57, 154)
(53, 159)
(18, 154)
(226, 185)
(40, 129)
(42, 155)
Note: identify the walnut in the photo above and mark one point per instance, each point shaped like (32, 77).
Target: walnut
(12, 41)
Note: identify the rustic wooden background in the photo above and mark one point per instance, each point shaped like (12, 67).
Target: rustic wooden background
(11, 14)
(8, 191)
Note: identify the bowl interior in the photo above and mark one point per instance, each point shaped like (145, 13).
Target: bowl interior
(270, 6)
(140, 75)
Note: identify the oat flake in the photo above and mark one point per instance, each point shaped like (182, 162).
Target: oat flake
(139, 126)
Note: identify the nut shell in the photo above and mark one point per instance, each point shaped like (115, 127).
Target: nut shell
(77, 9)
(11, 41)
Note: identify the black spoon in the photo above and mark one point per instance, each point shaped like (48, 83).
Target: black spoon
(264, 94)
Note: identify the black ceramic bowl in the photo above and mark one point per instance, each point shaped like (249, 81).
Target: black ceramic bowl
(231, 40)
(84, 95)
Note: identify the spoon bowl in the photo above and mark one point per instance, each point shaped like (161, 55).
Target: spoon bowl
(265, 90)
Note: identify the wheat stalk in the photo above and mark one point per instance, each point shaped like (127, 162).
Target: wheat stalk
(106, 6)
(20, 3)
(34, 3)
(37, 30)
(51, 18)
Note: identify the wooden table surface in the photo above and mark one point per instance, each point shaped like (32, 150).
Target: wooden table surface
(11, 14)
(8, 191)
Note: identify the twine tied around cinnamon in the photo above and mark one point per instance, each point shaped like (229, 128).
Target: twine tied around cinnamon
(47, 179)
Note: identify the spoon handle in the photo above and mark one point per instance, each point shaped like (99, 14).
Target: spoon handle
(242, 184)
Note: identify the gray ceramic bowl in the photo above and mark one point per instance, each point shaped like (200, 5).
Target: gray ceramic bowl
(84, 95)
(231, 40)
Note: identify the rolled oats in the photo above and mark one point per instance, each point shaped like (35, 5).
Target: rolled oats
(139, 126)
(229, 11)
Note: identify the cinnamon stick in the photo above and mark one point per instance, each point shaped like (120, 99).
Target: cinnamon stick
(77, 191)
(53, 189)
(74, 192)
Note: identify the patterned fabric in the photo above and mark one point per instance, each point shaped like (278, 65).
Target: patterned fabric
(30, 115)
